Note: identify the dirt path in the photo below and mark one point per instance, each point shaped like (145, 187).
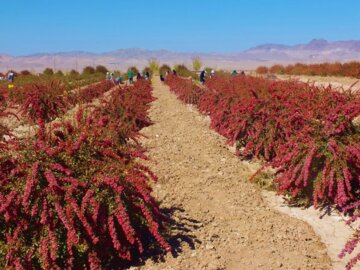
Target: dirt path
(220, 219)
(335, 82)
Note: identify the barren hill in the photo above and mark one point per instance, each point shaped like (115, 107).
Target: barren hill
(317, 50)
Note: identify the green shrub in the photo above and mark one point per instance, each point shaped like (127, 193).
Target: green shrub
(153, 66)
(59, 73)
(25, 72)
(88, 70)
(101, 69)
(48, 71)
(73, 73)
(183, 71)
(197, 63)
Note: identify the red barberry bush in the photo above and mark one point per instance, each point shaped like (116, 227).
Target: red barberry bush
(306, 133)
(185, 89)
(44, 101)
(74, 197)
(350, 69)
(354, 241)
(89, 93)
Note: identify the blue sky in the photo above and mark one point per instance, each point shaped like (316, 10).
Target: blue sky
(201, 26)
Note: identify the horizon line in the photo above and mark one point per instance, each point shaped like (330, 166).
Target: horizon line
(169, 50)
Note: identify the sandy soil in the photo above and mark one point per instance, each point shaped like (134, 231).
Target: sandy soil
(327, 223)
(220, 220)
(337, 82)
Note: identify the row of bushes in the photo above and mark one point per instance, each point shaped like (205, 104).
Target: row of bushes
(25, 76)
(50, 72)
(75, 196)
(69, 82)
(350, 69)
(305, 132)
(87, 71)
(48, 100)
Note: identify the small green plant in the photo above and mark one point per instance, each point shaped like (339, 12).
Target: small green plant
(183, 71)
(265, 179)
(153, 66)
(59, 73)
(48, 71)
(117, 73)
(197, 63)
(73, 73)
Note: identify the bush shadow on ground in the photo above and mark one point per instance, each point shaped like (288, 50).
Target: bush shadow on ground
(179, 233)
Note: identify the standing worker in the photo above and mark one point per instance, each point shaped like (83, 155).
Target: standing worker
(118, 80)
(202, 76)
(130, 76)
(138, 76)
(11, 77)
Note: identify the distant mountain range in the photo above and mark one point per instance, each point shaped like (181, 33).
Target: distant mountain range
(317, 50)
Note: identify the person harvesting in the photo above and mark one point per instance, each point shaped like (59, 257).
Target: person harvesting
(130, 76)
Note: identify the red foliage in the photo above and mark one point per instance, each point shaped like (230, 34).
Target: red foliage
(45, 102)
(350, 69)
(91, 92)
(187, 91)
(74, 196)
(355, 240)
(3, 98)
(306, 132)
(262, 70)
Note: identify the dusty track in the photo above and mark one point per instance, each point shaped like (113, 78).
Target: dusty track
(220, 219)
(335, 82)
